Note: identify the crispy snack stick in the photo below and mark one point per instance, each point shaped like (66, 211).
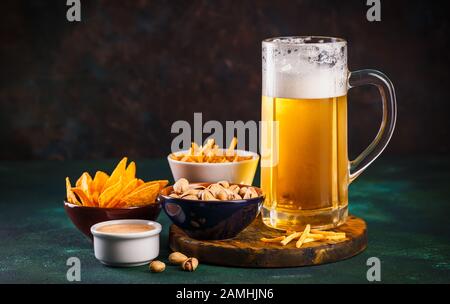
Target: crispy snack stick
(316, 236)
(335, 237)
(307, 236)
(303, 236)
(273, 240)
(210, 153)
(308, 240)
(324, 232)
(290, 237)
(231, 147)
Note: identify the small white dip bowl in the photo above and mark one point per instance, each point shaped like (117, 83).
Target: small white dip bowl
(126, 249)
(241, 172)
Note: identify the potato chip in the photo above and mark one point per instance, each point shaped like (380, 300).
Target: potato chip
(118, 172)
(119, 190)
(140, 182)
(71, 198)
(130, 172)
(85, 184)
(97, 186)
(162, 183)
(109, 193)
(120, 204)
(84, 178)
(99, 181)
(94, 198)
(83, 198)
(130, 186)
(143, 196)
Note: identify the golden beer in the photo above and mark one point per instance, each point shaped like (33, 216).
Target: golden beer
(311, 173)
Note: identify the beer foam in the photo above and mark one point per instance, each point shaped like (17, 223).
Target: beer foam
(297, 68)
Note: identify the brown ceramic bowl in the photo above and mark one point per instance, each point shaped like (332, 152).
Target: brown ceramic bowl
(85, 217)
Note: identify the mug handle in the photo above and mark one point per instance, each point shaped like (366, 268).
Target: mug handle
(387, 92)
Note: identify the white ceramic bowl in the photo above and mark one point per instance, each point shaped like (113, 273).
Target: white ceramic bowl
(241, 172)
(126, 249)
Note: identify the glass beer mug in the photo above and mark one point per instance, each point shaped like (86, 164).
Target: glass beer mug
(305, 170)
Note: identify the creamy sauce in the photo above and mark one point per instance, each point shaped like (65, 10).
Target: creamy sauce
(125, 228)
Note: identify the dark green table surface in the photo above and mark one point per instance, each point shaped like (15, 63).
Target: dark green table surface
(405, 201)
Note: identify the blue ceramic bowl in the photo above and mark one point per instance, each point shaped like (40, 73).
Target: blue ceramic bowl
(211, 220)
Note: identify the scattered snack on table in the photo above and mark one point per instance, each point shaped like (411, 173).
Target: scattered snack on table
(210, 153)
(177, 258)
(273, 240)
(157, 266)
(219, 191)
(307, 236)
(121, 189)
(190, 264)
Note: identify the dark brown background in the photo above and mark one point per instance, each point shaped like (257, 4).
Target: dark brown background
(113, 84)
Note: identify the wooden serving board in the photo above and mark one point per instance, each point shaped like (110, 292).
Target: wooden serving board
(246, 249)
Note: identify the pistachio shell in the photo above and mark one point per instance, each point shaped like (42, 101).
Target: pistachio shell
(190, 264)
(181, 186)
(215, 188)
(242, 191)
(208, 196)
(222, 195)
(217, 191)
(234, 188)
(250, 193)
(224, 184)
(177, 258)
(254, 193)
(190, 192)
(236, 197)
(157, 266)
(197, 187)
